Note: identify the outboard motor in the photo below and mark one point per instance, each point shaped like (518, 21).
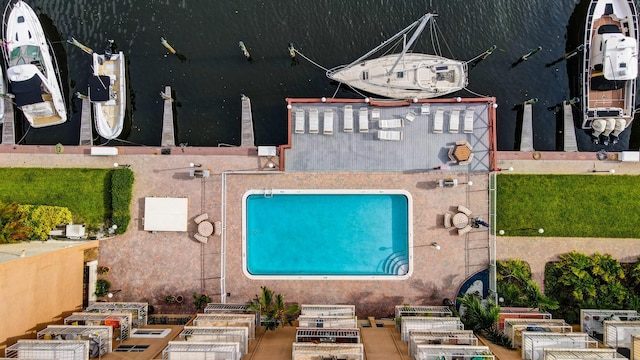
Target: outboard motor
(621, 124)
(611, 124)
(598, 127)
(111, 48)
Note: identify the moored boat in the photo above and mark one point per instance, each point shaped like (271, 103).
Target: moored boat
(404, 75)
(610, 68)
(32, 69)
(107, 92)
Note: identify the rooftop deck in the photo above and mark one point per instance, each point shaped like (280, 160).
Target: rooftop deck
(421, 147)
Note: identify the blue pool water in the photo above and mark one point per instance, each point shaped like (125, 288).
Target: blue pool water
(327, 234)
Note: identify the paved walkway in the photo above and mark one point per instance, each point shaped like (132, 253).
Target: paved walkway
(148, 266)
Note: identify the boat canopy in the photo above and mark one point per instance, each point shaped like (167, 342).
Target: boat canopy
(99, 88)
(28, 91)
(620, 57)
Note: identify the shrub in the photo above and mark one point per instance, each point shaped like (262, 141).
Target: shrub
(43, 218)
(121, 188)
(12, 226)
(102, 287)
(516, 286)
(592, 282)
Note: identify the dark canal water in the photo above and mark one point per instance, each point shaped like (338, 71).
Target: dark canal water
(331, 32)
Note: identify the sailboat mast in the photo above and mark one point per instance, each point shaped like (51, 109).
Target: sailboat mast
(406, 47)
(423, 20)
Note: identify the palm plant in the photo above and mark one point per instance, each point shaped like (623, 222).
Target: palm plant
(272, 308)
(478, 314)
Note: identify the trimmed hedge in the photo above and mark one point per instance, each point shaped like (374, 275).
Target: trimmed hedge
(121, 189)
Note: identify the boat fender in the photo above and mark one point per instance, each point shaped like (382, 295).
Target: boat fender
(59, 148)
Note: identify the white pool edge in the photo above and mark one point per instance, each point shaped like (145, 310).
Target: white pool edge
(405, 193)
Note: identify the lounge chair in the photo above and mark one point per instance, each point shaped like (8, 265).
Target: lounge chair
(454, 121)
(468, 121)
(447, 220)
(410, 116)
(425, 109)
(375, 114)
(390, 124)
(202, 239)
(363, 120)
(438, 121)
(217, 228)
(348, 118)
(313, 121)
(328, 122)
(200, 218)
(464, 230)
(463, 209)
(299, 118)
(389, 135)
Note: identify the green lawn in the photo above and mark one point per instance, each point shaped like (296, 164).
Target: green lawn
(569, 205)
(86, 192)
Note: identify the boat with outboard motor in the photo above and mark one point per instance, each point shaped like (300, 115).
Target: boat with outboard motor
(107, 92)
(32, 69)
(610, 68)
(404, 75)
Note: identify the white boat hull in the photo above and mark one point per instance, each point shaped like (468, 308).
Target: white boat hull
(109, 111)
(610, 65)
(415, 76)
(32, 74)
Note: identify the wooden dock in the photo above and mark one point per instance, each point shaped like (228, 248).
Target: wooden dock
(247, 123)
(8, 130)
(526, 140)
(570, 142)
(86, 131)
(168, 132)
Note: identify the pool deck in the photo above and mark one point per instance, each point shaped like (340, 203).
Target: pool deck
(148, 266)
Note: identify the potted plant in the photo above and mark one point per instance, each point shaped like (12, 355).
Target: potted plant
(103, 270)
(170, 299)
(179, 299)
(102, 287)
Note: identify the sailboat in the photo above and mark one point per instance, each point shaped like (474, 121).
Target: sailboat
(31, 67)
(610, 68)
(107, 92)
(404, 75)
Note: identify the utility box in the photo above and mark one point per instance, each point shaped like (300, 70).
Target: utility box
(629, 156)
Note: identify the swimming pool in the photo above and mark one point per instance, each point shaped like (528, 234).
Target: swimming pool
(327, 234)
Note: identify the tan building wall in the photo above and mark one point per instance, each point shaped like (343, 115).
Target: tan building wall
(39, 290)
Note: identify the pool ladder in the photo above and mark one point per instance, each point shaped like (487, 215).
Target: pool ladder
(268, 193)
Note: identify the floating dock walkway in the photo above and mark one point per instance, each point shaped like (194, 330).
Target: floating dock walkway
(8, 131)
(247, 123)
(168, 132)
(86, 131)
(570, 142)
(526, 140)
